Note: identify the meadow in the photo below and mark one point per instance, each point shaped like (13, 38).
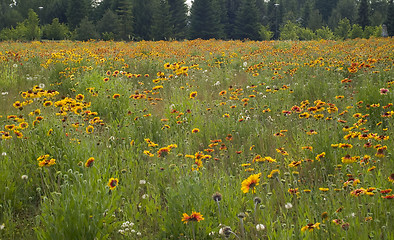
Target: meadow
(197, 140)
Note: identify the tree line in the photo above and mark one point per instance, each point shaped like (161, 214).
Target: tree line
(174, 19)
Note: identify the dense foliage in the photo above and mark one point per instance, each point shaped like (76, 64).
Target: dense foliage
(174, 19)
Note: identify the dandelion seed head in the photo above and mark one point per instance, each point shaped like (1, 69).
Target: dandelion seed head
(217, 197)
(288, 205)
(260, 227)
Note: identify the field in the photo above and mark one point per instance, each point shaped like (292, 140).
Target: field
(197, 140)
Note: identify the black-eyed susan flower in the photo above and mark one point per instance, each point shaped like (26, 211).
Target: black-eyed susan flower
(79, 97)
(18, 134)
(349, 159)
(320, 156)
(250, 183)
(195, 130)
(310, 227)
(23, 125)
(194, 217)
(358, 192)
(47, 103)
(391, 178)
(162, 152)
(89, 162)
(9, 127)
(193, 95)
(89, 129)
(274, 173)
(112, 183)
(324, 189)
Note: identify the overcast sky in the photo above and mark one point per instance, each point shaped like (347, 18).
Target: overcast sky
(189, 2)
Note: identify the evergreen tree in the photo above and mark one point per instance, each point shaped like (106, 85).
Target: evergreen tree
(343, 29)
(76, 11)
(325, 7)
(390, 19)
(315, 20)
(125, 27)
(161, 25)
(221, 13)
(275, 11)
(23, 6)
(142, 14)
(54, 9)
(262, 10)
(55, 30)
(356, 32)
(347, 9)
(9, 16)
(101, 9)
(363, 14)
(246, 25)
(107, 26)
(378, 12)
(86, 30)
(204, 22)
(31, 24)
(232, 7)
(306, 13)
(179, 12)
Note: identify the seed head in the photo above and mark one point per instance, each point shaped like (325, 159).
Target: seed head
(217, 197)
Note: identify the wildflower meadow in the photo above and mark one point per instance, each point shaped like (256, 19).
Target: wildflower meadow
(197, 139)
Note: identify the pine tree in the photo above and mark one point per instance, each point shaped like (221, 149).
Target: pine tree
(178, 11)
(363, 14)
(315, 20)
(347, 9)
(343, 29)
(204, 22)
(390, 19)
(325, 7)
(275, 11)
(9, 16)
(246, 25)
(31, 24)
(142, 14)
(232, 7)
(108, 24)
(76, 11)
(54, 9)
(306, 13)
(124, 11)
(161, 25)
(86, 30)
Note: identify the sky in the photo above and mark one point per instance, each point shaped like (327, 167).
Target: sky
(189, 2)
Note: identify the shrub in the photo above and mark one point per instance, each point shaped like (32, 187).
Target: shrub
(290, 31)
(265, 33)
(325, 33)
(343, 29)
(55, 30)
(356, 32)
